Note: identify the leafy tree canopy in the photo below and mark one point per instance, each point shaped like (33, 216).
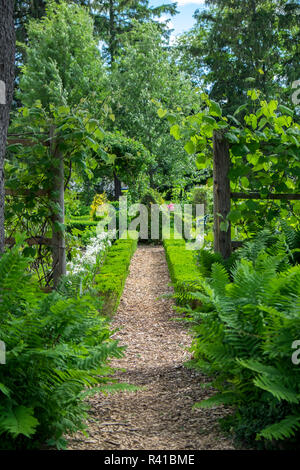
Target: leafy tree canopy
(240, 44)
(63, 62)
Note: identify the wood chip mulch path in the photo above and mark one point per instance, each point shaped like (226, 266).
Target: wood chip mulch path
(160, 415)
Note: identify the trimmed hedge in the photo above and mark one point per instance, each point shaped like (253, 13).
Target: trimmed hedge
(111, 280)
(182, 263)
(81, 223)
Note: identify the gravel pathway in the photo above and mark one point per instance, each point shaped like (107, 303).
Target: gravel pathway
(159, 416)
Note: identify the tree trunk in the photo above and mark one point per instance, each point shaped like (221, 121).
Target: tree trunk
(118, 191)
(7, 72)
(112, 32)
(222, 239)
(58, 219)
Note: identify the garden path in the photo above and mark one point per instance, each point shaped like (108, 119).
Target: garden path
(160, 415)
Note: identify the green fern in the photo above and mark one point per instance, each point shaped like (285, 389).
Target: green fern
(284, 429)
(244, 325)
(57, 348)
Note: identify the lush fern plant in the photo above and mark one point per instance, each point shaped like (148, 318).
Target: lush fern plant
(245, 324)
(57, 351)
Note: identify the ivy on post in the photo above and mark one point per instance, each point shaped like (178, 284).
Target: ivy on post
(221, 165)
(58, 216)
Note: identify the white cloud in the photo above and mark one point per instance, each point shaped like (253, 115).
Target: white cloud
(181, 3)
(166, 19)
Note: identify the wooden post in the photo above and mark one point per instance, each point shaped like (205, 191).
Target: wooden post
(118, 191)
(221, 165)
(58, 219)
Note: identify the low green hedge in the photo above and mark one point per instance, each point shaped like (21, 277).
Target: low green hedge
(182, 263)
(81, 223)
(111, 280)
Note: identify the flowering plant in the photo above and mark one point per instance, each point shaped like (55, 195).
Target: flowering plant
(98, 205)
(89, 260)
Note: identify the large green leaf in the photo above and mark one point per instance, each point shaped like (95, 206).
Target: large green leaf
(18, 420)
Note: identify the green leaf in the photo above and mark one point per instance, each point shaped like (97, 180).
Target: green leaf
(240, 150)
(29, 252)
(171, 118)
(175, 131)
(161, 112)
(209, 120)
(284, 429)
(25, 112)
(234, 215)
(61, 110)
(285, 110)
(215, 109)
(240, 108)
(245, 182)
(99, 133)
(190, 147)
(232, 137)
(4, 389)
(19, 420)
(216, 400)
(224, 226)
(234, 120)
(254, 94)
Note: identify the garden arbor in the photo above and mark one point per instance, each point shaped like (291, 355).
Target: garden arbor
(255, 158)
(50, 148)
(223, 195)
(55, 197)
(57, 128)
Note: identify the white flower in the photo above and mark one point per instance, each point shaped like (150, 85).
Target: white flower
(93, 253)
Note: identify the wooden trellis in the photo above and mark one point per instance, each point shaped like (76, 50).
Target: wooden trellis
(223, 195)
(56, 195)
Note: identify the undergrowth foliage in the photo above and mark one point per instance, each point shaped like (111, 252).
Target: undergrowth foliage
(58, 347)
(247, 318)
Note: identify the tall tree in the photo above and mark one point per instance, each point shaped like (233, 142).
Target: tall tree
(145, 71)
(242, 44)
(63, 64)
(113, 18)
(63, 73)
(7, 66)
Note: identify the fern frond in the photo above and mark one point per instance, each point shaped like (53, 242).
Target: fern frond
(284, 429)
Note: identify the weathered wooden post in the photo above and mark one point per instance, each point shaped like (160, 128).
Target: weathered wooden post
(117, 183)
(221, 165)
(58, 218)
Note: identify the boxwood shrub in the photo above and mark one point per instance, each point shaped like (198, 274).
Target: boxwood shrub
(111, 280)
(182, 263)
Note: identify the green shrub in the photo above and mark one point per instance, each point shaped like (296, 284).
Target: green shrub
(202, 195)
(184, 272)
(111, 279)
(57, 349)
(81, 223)
(244, 327)
(152, 196)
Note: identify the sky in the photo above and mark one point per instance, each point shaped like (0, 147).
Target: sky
(184, 20)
